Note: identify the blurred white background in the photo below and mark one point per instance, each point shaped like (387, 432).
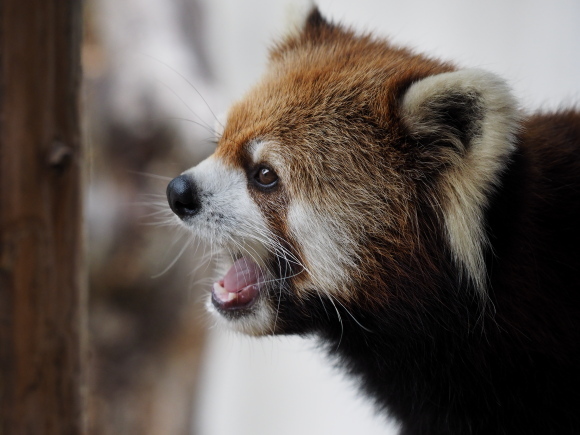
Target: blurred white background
(284, 385)
(534, 44)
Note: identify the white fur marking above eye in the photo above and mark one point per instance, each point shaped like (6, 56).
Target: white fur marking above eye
(261, 152)
(256, 151)
(467, 184)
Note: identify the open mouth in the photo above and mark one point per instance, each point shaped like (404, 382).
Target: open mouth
(240, 288)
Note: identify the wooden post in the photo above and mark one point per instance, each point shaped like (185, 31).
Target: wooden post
(42, 291)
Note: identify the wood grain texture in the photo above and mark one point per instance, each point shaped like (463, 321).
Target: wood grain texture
(42, 284)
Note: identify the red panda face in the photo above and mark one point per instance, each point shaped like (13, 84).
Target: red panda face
(341, 175)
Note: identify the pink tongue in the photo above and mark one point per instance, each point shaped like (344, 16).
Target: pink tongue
(243, 273)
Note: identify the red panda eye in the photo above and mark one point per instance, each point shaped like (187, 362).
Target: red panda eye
(266, 177)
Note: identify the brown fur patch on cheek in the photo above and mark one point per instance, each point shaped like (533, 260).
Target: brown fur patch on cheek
(274, 208)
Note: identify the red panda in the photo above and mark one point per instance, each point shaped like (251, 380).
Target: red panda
(414, 219)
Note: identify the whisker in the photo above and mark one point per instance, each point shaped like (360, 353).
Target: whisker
(353, 318)
(201, 122)
(177, 118)
(185, 246)
(188, 82)
(147, 174)
(330, 298)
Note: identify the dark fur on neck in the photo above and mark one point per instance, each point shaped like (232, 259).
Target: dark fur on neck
(453, 366)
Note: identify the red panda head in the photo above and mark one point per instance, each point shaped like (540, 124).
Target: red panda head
(354, 174)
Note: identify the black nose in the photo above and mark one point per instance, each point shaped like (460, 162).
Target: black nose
(182, 197)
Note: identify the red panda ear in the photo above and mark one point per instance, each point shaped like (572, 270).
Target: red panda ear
(464, 125)
(315, 24)
(460, 110)
(307, 26)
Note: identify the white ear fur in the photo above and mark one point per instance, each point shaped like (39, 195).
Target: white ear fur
(466, 185)
(297, 11)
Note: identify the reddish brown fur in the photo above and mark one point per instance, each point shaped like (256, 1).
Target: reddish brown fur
(405, 178)
(354, 84)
